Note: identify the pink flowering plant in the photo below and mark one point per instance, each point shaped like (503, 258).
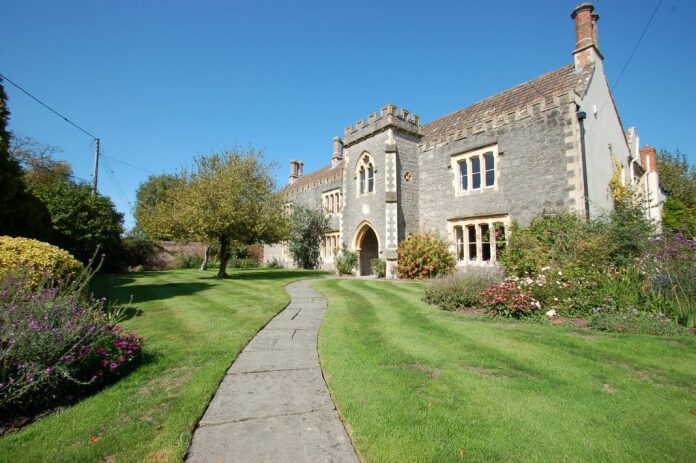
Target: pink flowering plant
(57, 342)
(423, 255)
(506, 299)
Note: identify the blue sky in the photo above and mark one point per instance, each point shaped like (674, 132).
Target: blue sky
(160, 81)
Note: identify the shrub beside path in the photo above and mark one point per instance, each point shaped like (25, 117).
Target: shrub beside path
(273, 404)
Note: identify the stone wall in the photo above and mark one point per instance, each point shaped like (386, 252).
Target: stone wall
(311, 196)
(408, 176)
(537, 170)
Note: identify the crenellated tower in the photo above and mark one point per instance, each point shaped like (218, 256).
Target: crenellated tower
(380, 182)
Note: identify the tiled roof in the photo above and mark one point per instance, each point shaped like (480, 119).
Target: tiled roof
(316, 177)
(555, 82)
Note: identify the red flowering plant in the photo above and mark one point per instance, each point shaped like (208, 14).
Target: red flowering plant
(507, 300)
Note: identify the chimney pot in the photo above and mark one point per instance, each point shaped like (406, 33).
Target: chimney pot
(337, 151)
(648, 158)
(293, 171)
(586, 36)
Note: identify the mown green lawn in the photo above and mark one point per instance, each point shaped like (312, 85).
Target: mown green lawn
(194, 326)
(415, 383)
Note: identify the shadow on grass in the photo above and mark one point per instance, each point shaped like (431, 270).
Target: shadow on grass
(119, 287)
(266, 274)
(158, 292)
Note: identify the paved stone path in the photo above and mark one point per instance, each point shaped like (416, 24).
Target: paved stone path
(273, 404)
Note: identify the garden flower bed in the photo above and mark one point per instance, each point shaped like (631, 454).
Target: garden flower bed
(56, 345)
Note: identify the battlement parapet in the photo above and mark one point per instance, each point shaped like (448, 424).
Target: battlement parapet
(400, 119)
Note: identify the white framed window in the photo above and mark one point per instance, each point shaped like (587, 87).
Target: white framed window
(489, 165)
(331, 201)
(475, 170)
(478, 240)
(365, 175)
(463, 175)
(475, 162)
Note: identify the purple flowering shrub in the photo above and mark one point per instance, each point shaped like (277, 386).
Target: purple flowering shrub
(55, 341)
(672, 268)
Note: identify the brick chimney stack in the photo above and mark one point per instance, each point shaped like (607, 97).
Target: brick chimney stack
(300, 166)
(294, 170)
(648, 158)
(337, 152)
(586, 37)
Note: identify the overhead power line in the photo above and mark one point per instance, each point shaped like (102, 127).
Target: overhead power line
(133, 166)
(4, 77)
(628, 60)
(115, 182)
(95, 171)
(642, 34)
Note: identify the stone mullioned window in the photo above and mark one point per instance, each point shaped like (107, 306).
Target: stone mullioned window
(478, 240)
(475, 170)
(329, 246)
(331, 201)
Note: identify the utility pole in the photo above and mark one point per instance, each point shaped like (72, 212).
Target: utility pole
(95, 173)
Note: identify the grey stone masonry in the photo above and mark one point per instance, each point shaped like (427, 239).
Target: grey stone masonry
(533, 171)
(273, 405)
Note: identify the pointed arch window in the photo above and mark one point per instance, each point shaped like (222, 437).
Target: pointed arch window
(362, 180)
(366, 175)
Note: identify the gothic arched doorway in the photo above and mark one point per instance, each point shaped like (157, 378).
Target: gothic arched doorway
(367, 246)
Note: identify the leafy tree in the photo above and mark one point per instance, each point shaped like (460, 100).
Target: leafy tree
(10, 171)
(676, 216)
(227, 197)
(82, 220)
(678, 177)
(21, 214)
(149, 194)
(308, 227)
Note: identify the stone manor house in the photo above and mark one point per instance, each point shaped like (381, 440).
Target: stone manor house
(467, 175)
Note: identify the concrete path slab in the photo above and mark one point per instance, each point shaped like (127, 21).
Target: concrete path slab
(273, 404)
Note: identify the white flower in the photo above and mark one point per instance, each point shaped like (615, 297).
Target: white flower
(560, 273)
(545, 269)
(550, 313)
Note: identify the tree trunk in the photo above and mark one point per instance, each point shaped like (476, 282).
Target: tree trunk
(206, 257)
(224, 256)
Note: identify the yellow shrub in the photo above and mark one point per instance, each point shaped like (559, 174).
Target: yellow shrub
(43, 257)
